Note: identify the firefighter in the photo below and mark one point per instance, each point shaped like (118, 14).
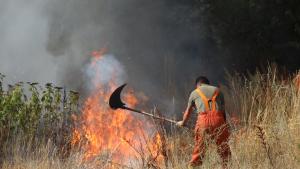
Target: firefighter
(211, 124)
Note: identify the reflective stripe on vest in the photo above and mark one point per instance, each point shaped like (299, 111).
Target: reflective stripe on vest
(206, 100)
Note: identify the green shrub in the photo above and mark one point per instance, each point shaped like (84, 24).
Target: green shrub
(36, 113)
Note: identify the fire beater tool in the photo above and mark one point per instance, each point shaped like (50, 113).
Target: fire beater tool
(115, 103)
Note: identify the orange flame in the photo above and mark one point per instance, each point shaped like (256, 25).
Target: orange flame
(116, 132)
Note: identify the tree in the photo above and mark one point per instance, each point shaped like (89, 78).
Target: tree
(253, 31)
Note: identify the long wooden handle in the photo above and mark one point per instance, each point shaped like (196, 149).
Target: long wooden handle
(150, 115)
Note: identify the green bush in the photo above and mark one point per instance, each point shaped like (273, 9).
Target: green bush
(36, 113)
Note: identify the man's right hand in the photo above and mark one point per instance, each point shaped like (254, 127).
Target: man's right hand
(180, 123)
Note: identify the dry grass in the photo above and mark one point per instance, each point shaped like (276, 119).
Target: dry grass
(268, 135)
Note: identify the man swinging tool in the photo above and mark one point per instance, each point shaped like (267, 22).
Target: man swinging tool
(211, 123)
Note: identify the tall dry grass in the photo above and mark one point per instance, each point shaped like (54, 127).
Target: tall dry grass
(267, 135)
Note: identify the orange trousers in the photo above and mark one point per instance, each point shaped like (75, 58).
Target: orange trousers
(211, 126)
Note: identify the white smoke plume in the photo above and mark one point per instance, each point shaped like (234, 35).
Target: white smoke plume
(23, 33)
(103, 71)
(51, 40)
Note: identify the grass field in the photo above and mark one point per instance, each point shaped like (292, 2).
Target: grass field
(266, 134)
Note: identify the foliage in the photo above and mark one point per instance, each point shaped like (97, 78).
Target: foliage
(36, 113)
(267, 135)
(249, 32)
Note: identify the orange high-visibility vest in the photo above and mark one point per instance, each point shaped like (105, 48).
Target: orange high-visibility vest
(206, 101)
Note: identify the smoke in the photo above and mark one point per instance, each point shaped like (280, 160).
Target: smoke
(51, 41)
(103, 71)
(23, 33)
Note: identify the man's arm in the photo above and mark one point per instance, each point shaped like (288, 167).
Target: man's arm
(187, 111)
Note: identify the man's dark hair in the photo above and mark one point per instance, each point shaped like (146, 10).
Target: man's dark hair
(202, 79)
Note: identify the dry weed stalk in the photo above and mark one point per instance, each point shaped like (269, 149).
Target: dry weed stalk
(264, 103)
(159, 125)
(262, 137)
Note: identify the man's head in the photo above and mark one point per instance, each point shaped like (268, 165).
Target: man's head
(201, 80)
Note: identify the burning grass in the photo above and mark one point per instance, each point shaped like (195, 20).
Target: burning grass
(117, 136)
(267, 135)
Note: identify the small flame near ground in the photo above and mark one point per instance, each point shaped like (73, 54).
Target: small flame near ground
(297, 81)
(117, 134)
